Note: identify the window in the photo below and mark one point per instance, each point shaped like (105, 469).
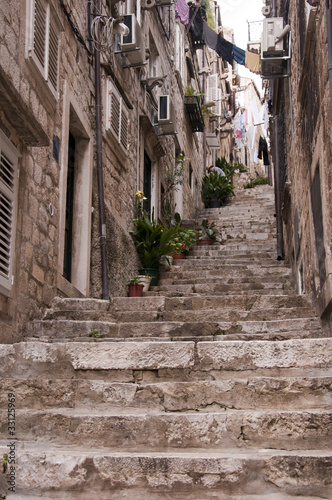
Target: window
(130, 7)
(179, 51)
(116, 115)
(8, 187)
(43, 41)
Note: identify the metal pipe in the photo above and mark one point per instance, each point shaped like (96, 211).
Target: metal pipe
(329, 45)
(100, 177)
(280, 253)
(203, 99)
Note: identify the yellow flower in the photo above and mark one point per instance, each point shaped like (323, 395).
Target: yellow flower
(140, 195)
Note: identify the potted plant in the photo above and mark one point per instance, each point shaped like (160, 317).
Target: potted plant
(152, 242)
(208, 235)
(216, 188)
(182, 242)
(135, 286)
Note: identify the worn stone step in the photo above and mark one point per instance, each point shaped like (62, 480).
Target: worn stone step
(130, 430)
(201, 359)
(265, 393)
(280, 474)
(235, 271)
(246, 330)
(218, 288)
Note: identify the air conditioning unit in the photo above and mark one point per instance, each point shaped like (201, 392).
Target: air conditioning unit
(272, 28)
(166, 115)
(133, 44)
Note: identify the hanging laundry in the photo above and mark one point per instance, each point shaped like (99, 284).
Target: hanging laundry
(210, 37)
(195, 24)
(239, 55)
(262, 148)
(225, 49)
(182, 11)
(253, 62)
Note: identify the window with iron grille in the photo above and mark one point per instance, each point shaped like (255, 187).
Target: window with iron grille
(43, 41)
(116, 115)
(8, 186)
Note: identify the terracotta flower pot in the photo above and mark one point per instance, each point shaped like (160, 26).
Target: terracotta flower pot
(135, 289)
(204, 242)
(178, 256)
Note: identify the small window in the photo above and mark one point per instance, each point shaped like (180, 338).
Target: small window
(43, 41)
(117, 115)
(190, 176)
(8, 187)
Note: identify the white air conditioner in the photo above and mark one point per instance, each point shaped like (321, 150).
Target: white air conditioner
(272, 28)
(133, 44)
(166, 114)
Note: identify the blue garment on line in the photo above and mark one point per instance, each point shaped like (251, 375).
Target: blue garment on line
(239, 55)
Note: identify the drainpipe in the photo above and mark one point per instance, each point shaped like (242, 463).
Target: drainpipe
(204, 131)
(329, 43)
(277, 191)
(99, 151)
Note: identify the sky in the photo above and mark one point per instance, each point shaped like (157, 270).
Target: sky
(235, 14)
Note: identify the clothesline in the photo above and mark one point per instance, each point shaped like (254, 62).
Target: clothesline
(203, 34)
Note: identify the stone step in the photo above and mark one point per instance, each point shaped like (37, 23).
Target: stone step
(218, 288)
(265, 393)
(176, 359)
(235, 271)
(137, 431)
(60, 329)
(281, 475)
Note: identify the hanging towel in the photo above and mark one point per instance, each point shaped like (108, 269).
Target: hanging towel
(253, 62)
(182, 11)
(225, 49)
(210, 37)
(239, 55)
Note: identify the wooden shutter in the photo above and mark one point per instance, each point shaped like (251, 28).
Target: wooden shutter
(40, 33)
(117, 115)
(43, 35)
(212, 88)
(179, 51)
(53, 55)
(8, 185)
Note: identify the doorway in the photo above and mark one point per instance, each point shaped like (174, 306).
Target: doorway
(147, 183)
(67, 257)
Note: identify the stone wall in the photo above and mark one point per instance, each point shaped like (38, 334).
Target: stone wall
(39, 123)
(306, 158)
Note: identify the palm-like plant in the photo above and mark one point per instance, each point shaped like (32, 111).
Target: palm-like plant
(151, 240)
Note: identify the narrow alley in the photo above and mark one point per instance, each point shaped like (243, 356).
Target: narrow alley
(215, 384)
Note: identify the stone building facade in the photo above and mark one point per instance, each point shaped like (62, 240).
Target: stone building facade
(301, 124)
(51, 201)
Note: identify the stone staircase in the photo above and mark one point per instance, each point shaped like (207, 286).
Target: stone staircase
(214, 385)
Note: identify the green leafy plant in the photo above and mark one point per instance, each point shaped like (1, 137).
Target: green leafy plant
(151, 240)
(216, 187)
(183, 240)
(208, 231)
(227, 167)
(257, 181)
(173, 179)
(97, 334)
(4, 463)
(135, 280)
